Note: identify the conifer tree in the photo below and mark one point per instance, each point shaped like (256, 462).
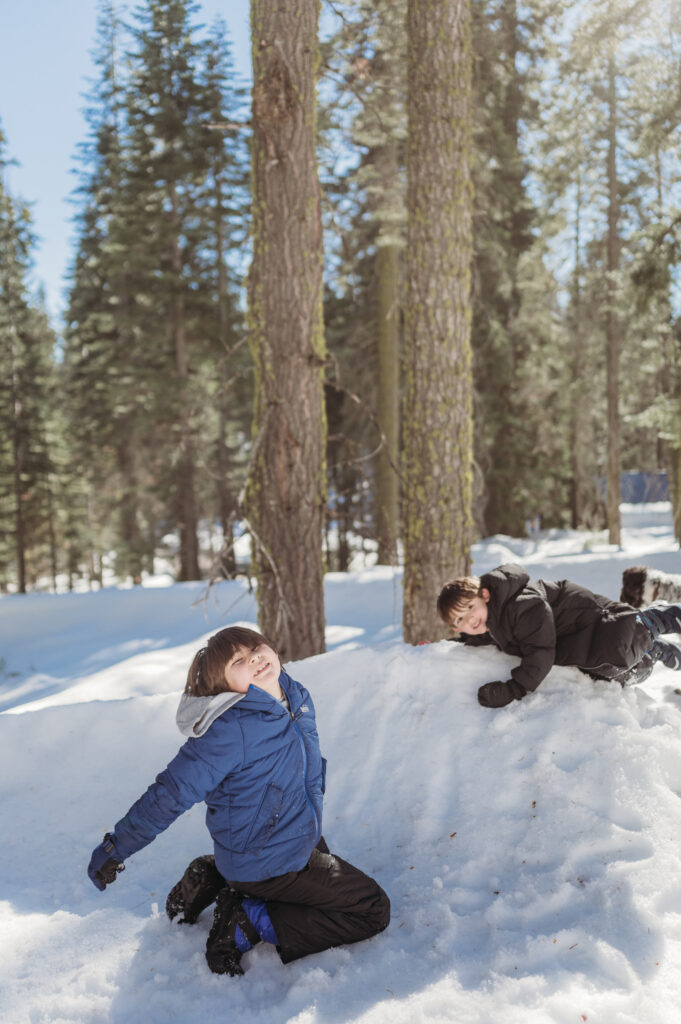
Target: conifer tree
(601, 176)
(166, 106)
(506, 36)
(287, 493)
(614, 461)
(379, 128)
(107, 375)
(26, 371)
(363, 106)
(437, 405)
(227, 200)
(656, 127)
(153, 313)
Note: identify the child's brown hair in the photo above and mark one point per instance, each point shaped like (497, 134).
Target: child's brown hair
(206, 674)
(455, 594)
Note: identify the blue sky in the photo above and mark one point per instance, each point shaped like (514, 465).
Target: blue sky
(44, 69)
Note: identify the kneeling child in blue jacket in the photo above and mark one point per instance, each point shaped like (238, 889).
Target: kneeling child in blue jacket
(253, 756)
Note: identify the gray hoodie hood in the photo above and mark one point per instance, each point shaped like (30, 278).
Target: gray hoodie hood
(195, 715)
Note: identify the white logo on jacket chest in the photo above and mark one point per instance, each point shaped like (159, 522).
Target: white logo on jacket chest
(304, 707)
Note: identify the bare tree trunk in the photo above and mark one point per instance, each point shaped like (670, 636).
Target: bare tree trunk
(52, 535)
(380, 126)
(614, 465)
(287, 495)
(17, 460)
(577, 382)
(226, 504)
(131, 562)
(187, 518)
(437, 423)
(387, 480)
(675, 487)
(17, 447)
(670, 373)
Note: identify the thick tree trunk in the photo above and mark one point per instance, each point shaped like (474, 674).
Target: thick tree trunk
(437, 424)
(614, 466)
(287, 494)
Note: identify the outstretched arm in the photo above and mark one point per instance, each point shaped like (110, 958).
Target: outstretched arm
(197, 769)
(535, 634)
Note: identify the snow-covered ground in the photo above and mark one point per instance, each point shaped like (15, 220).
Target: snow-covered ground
(532, 854)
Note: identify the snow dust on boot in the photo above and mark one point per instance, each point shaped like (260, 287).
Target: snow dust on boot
(231, 936)
(195, 891)
(638, 673)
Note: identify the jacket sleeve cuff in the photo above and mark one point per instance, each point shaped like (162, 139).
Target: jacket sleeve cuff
(517, 689)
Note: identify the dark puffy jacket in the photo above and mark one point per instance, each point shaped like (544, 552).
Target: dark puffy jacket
(259, 770)
(561, 623)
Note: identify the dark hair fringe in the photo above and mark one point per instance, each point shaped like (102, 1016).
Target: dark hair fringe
(206, 674)
(455, 593)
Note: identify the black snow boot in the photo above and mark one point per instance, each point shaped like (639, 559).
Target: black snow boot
(231, 935)
(668, 653)
(662, 618)
(196, 890)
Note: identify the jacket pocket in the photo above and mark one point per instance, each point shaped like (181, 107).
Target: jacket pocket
(266, 818)
(323, 775)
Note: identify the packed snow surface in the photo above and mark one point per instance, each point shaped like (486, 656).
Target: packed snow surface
(531, 853)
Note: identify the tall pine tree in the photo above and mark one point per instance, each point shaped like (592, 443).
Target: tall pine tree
(287, 494)
(438, 424)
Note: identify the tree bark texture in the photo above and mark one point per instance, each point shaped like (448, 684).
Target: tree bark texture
(437, 422)
(577, 396)
(17, 460)
(286, 497)
(187, 515)
(225, 500)
(387, 480)
(614, 462)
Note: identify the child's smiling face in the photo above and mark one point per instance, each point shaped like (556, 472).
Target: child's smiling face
(257, 667)
(471, 617)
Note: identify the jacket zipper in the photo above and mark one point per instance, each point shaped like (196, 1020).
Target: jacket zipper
(307, 795)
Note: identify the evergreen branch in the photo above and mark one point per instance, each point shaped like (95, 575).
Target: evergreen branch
(662, 234)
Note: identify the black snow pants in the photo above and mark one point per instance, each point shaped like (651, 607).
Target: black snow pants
(328, 903)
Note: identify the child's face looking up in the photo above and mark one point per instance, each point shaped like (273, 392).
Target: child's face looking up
(257, 667)
(471, 617)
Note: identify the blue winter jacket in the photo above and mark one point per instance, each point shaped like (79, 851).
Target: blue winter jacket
(260, 771)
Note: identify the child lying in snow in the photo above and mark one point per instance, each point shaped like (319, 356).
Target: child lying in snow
(253, 755)
(557, 623)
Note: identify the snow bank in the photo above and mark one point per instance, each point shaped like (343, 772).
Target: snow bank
(530, 853)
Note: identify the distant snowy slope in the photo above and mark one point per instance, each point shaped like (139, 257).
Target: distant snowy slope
(47, 641)
(70, 647)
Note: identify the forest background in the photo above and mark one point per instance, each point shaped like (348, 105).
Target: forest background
(143, 428)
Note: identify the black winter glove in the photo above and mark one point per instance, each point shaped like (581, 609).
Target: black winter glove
(105, 863)
(498, 694)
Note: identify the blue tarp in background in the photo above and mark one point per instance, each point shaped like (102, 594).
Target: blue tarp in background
(639, 487)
